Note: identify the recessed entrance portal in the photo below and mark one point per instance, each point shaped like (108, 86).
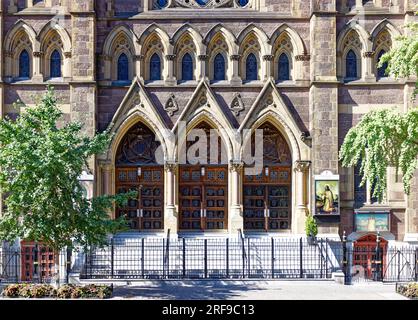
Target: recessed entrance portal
(203, 187)
(267, 195)
(138, 170)
(364, 254)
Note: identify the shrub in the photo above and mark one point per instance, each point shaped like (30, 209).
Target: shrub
(311, 227)
(409, 290)
(67, 291)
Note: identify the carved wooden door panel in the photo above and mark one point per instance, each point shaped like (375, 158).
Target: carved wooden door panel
(145, 212)
(203, 198)
(267, 200)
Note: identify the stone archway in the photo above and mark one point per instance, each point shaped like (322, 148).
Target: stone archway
(137, 169)
(267, 194)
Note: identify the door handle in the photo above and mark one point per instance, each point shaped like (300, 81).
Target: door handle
(139, 213)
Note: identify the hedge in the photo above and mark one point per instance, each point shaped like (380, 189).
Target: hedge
(67, 291)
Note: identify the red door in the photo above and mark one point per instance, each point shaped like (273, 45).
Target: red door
(37, 262)
(364, 254)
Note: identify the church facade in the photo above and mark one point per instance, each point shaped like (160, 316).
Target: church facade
(302, 72)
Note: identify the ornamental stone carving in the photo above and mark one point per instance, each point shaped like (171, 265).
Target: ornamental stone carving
(171, 105)
(237, 105)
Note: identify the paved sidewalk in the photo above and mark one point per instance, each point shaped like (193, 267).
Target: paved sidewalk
(255, 290)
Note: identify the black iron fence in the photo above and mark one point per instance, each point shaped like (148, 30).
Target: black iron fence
(33, 262)
(220, 258)
(214, 258)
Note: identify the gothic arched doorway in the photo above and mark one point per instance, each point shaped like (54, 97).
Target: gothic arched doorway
(203, 181)
(267, 194)
(137, 169)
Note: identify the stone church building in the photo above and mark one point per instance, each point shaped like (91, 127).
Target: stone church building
(302, 71)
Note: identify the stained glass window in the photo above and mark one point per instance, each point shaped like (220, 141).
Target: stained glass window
(219, 68)
(284, 72)
(381, 72)
(351, 64)
(155, 67)
(251, 67)
(123, 68)
(187, 67)
(242, 3)
(55, 64)
(24, 64)
(161, 3)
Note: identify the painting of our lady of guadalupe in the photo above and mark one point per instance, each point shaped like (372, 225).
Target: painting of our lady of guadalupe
(327, 197)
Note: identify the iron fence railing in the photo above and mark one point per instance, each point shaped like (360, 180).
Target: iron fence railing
(151, 258)
(213, 258)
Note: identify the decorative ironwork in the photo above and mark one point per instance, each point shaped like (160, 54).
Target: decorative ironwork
(138, 147)
(275, 147)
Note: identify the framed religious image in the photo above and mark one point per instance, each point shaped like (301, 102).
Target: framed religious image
(371, 221)
(327, 194)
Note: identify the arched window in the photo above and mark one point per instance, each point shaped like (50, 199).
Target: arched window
(219, 68)
(351, 64)
(187, 67)
(284, 68)
(123, 68)
(251, 67)
(55, 64)
(381, 72)
(155, 67)
(24, 64)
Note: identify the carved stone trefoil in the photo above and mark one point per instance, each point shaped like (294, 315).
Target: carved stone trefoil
(171, 105)
(237, 105)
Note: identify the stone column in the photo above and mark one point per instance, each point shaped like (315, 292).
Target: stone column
(201, 68)
(67, 66)
(146, 5)
(301, 169)
(171, 79)
(107, 62)
(29, 3)
(268, 66)
(324, 97)
(236, 220)
(138, 60)
(235, 78)
(170, 216)
(368, 68)
(37, 75)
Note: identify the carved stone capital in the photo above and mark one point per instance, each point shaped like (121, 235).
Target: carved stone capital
(37, 54)
(235, 57)
(138, 57)
(368, 54)
(301, 166)
(170, 166)
(268, 57)
(203, 57)
(236, 166)
(67, 54)
(170, 57)
(7, 54)
(303, 57)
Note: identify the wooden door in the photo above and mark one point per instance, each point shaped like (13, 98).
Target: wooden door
(267, 200)
(146, 211)
(37, 261)
(203, 198)
(364, 254)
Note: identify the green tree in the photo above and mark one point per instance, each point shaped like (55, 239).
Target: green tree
(387, 137)
(40, 164)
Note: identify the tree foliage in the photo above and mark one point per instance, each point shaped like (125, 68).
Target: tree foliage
(382, 139)
(387, 138)
(403, 58)
(40, 165)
